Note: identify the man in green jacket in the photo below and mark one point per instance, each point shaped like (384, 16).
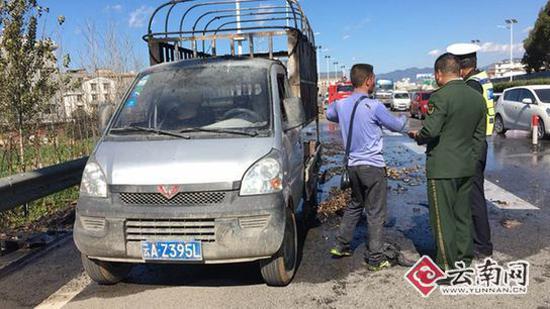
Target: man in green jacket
(454, 132)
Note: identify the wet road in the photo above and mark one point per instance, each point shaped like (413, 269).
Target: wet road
(321, 282)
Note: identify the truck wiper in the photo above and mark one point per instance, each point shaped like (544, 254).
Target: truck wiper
(150, 130)
(228, 131)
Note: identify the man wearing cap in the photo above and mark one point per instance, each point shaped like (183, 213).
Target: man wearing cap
(479, 81)
(454, 130)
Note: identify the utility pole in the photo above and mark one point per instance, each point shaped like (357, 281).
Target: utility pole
(319, 51)
(343, 71)
(287, 9)
(327, 57)
(510, 22)
(239, 40)
(336, 70)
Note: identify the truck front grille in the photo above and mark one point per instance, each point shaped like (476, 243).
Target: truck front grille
(182, 199)
(170, 229)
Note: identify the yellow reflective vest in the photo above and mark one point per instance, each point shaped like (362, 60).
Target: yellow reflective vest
(487, 86)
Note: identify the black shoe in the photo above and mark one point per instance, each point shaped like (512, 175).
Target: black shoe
(340, 253)
(482, 256)
(403, 261)
(380, 266)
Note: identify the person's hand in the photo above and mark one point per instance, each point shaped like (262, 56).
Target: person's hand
(412, 134)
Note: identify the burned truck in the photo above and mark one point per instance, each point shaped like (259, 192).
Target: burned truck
(207, 159)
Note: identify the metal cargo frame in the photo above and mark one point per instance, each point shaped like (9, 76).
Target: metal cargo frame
(199, 22)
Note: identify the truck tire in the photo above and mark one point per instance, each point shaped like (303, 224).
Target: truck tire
(105, 273)
(499, 125)
(280, 269)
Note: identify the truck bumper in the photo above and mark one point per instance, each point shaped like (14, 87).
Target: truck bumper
(241, 230)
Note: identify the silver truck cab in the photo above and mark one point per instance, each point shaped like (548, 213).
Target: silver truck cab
(204, 161)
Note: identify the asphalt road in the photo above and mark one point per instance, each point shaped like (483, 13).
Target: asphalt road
(57, 279)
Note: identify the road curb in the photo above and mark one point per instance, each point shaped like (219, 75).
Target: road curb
(33, 254)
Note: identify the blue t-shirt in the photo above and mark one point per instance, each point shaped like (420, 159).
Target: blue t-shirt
(366, 144)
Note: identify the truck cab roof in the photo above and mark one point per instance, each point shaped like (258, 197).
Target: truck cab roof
(214, 61)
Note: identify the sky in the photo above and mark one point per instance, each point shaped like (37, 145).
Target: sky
(390, 34)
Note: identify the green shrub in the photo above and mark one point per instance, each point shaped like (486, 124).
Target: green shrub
(500, 87)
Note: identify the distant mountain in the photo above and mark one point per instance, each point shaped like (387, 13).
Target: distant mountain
(407, 73)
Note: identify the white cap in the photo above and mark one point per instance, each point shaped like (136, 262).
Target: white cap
(463, 49)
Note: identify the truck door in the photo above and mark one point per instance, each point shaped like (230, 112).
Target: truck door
(292, 142)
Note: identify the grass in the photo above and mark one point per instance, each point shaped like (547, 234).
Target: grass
(19, 219)
(50, 149)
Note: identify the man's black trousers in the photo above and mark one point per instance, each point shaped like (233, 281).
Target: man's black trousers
(480, 218)
(368, 191)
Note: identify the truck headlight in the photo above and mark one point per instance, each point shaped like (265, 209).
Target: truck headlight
(264, 177)
(93, 182)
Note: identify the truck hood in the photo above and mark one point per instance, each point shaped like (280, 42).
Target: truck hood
(179, 161)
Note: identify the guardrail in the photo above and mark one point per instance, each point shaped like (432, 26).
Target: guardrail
(23, 188)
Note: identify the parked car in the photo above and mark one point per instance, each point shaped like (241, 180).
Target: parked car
(515, 108)
(496, 96)
(400, 101)
(419, 104)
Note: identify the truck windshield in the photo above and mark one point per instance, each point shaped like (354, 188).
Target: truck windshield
(426, 96)
(401, 95)
(216, 99)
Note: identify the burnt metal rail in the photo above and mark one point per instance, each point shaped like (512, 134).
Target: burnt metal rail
(24, 188)
(202, 21)
(202, 29)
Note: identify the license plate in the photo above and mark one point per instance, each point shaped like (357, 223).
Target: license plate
(171, 250)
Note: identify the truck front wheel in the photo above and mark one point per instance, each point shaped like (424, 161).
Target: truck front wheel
(280, 269)
(105, 273)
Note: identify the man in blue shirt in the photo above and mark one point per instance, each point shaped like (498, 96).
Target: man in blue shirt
(366, 166)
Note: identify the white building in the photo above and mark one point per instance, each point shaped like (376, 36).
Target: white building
(405, 84)
(102, 87)
(92, 93)
(505, 69)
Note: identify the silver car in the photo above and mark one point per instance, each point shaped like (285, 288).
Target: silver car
(516, 107)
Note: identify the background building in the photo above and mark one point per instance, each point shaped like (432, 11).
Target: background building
(505, 69)
(102, 86)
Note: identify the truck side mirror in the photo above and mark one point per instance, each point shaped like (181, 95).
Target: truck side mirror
(527, 101)
(105, 111)
(295, 112)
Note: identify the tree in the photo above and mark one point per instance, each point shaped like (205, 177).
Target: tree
(537, 44)
(27, 82)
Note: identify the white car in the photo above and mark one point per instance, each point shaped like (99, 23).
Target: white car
(516, 107)
(400, 101)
